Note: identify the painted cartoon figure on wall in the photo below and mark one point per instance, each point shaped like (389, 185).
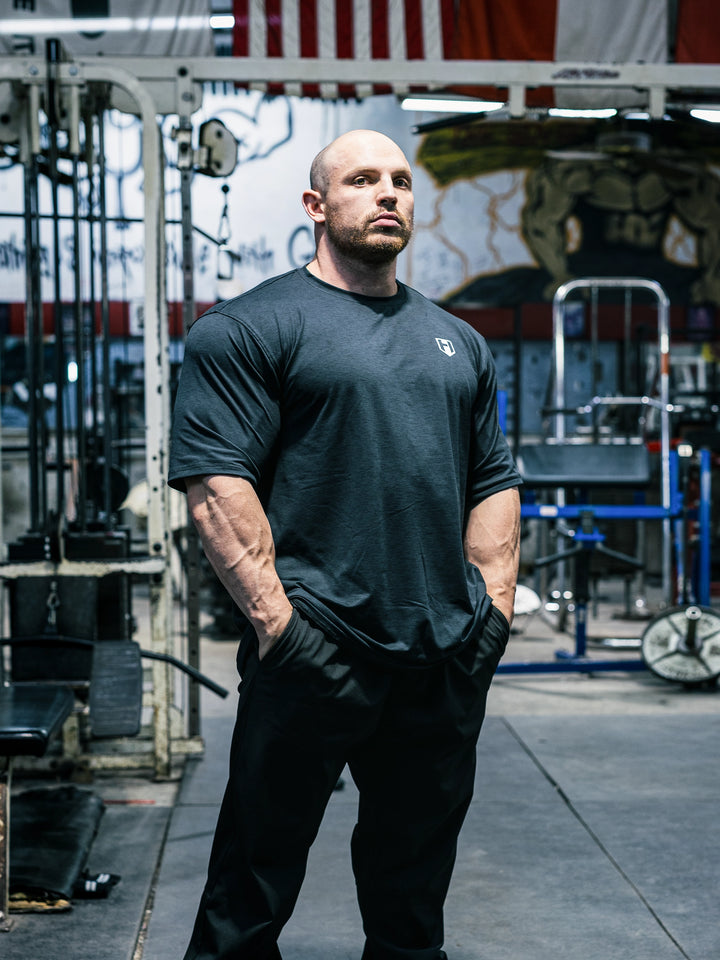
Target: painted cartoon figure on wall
(592, 196)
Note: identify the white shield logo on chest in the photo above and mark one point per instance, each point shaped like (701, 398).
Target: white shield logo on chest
(445, 346)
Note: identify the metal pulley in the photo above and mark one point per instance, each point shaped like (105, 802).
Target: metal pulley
(682, 645)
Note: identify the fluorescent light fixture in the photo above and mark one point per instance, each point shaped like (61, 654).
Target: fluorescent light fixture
(450, 105)
(100, 24)
(600, 114)
(712, 116)
(72, 371)
(222, 21)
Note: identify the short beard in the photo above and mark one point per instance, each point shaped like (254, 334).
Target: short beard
(374, 250)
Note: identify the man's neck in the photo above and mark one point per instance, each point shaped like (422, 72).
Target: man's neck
(370, 280)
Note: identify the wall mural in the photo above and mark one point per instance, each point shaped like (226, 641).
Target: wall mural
(505, 211)
(585, 198)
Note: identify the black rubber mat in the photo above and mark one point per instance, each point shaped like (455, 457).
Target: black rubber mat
(51, 832)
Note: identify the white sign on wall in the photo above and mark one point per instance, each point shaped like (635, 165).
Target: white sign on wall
(139, 28)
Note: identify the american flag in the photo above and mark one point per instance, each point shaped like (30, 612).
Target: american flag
(399, 30)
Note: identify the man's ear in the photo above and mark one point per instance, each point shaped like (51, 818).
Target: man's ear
(313, 203)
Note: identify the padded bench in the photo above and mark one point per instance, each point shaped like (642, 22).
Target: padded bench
(584, 465)
(30, 716)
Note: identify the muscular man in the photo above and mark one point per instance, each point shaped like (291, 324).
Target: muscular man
(337, 435)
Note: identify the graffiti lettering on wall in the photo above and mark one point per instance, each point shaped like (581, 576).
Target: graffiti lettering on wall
(12, 257)
(264, 238)
(128, 260)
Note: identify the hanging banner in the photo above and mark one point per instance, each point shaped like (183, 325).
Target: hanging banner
(91, 28)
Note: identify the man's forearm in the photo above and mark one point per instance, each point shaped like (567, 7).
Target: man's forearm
(238, 542)
(492, 543)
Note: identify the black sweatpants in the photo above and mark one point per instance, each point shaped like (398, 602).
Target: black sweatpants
(409, 738)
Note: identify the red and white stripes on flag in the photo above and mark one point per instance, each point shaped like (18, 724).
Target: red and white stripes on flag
(399, 30)
(697, 40)
(575, 31)
(567, 31)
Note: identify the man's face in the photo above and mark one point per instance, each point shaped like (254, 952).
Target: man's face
(368, 201)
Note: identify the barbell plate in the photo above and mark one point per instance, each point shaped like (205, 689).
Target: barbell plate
(666, 653)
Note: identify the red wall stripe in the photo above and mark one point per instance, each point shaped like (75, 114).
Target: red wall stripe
(492, 322)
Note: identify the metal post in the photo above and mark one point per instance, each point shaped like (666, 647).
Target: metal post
(79, 320)
(192, 556)
(157, 417)
(30, 147)
(5, 784)
(559, 358)
(52, 94)
(594, 358)
(104, 318)
(704, 510)
(92, 344)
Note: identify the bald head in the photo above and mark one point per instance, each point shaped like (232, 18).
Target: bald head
(347, 150)
(361, 202)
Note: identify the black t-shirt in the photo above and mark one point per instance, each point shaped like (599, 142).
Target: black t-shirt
(369, 428)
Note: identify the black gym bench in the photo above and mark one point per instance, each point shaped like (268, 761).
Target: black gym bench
(30, 716)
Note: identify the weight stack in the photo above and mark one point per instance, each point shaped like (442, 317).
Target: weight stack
(88, 608)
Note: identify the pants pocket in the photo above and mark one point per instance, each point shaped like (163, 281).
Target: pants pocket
(490, 644)
(286, 642)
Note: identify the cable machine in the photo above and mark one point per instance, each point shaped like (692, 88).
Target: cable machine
(70, 576)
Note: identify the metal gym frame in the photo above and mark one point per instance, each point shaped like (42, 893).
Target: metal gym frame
(586, 537)
(57, 79)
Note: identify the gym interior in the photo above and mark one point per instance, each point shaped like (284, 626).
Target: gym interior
(567, 181)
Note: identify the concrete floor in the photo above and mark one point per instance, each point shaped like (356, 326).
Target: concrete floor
(593, 835)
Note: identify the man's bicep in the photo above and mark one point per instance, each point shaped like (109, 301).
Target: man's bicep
(205, 489)
(493, 527)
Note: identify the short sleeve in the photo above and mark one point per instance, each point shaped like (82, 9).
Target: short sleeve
(492, 467)
(227, 411)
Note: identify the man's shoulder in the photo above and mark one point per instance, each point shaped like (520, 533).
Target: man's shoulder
(416, 299)
(260, 311)
(437, 313)
(284, 285)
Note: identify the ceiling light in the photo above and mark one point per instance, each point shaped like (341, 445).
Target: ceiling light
(222, 21)
(712, 116)
(101, 24)
(448, 105)
(600, 114)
